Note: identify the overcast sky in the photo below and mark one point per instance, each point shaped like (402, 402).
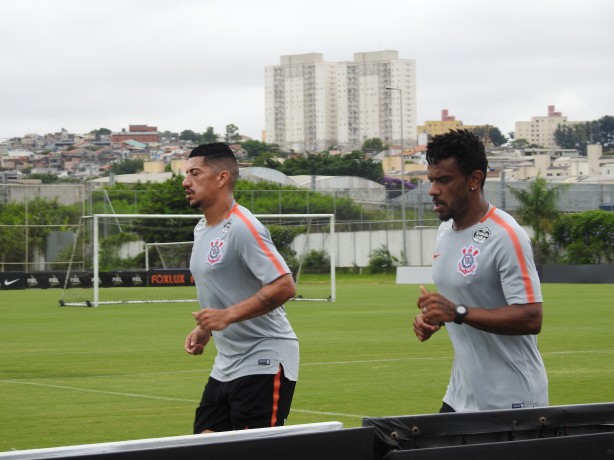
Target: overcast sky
(189, 64)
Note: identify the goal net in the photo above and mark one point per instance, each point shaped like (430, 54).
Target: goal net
(144, 258)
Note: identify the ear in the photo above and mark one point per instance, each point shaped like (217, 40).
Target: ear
(222, 178)
(475, 180)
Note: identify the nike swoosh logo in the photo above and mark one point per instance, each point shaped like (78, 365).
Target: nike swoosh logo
(8, 283)
(436, 255)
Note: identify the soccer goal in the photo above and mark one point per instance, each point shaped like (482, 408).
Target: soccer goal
(144, 258)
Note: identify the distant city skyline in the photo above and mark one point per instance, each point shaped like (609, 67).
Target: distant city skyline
(189, 64)
(530, 131)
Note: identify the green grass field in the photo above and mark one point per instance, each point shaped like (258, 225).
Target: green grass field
(76, 375)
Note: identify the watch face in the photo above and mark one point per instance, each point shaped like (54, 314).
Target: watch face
(460, 313)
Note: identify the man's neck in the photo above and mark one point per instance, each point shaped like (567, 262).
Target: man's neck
(217, 213)
(474, 216)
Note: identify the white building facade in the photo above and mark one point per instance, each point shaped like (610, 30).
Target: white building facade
(313, 105)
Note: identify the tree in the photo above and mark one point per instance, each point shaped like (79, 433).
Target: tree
(579, 135)
(232, 134)
(497, 137)
(266, 160)
(12, 242)
(166, 198)
(189, 135)
(168, 136)
(572, 136)
(254, 148)
(43, 217)
(606, 133)
(45, 178)
(352, 164)
(373, 145)
(127, 167)
(491, 135)
(100, 132)
(520, 143)
(586, 237)
(539, 211)
(208, 136)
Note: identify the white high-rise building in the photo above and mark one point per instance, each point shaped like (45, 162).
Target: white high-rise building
(312, 105)
(299, 103)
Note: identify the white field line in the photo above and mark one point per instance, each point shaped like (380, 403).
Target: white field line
(323, 363)
(159, 398)
(163, 398)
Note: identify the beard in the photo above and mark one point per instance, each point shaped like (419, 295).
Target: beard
(444, 217)
(446, 213)
(194, 204)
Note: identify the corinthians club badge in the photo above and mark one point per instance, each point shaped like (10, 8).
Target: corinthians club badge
(214, 255)
(468, 263)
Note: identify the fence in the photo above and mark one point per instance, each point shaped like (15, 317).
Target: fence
(572, 197)
(358, 236)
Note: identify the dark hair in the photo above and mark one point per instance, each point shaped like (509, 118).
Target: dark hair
(219, 156)
(462, 145)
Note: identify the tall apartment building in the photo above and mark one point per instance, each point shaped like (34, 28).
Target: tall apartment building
(540, 130)
(312, 105)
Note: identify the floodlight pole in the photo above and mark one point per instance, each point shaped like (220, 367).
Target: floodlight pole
(403, 221)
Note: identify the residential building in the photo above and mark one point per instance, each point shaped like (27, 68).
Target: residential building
(540, 130)
(413, 160)
(565, 165)
(153, 166)
(312, 105)
(139, 133)
(436, 127)
(300, 107)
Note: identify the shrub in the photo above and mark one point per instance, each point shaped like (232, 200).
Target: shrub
(316, 262)
(381, 261)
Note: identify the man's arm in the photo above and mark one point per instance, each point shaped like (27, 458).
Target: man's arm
(521, 319)
(509, 320)
(265, 300)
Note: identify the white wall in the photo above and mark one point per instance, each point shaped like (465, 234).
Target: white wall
(353, 249)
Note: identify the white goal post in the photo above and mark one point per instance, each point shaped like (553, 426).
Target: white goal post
(310, 232)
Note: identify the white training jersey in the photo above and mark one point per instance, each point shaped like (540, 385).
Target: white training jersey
(231, 262)
(490, 265)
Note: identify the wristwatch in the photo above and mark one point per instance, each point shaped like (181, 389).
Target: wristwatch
(459, 313)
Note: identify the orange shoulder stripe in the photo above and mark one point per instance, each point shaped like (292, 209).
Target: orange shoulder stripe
(259, 240)
(488, 214)
(519, 256)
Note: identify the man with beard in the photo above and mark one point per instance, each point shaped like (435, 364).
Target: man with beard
(242, 283)
(489, 294)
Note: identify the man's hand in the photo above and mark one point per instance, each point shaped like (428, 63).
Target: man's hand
(212, 319)
(196, 341)
(435, 308)
(422, 329)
